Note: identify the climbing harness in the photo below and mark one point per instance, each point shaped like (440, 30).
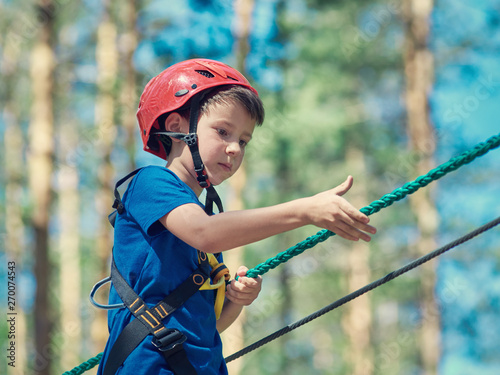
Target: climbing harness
(385, 201)
(148, 320)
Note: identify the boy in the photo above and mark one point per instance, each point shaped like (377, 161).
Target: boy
(198, 115)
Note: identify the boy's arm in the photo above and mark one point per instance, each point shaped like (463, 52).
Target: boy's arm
(229, 230)
(229, 313)
(239, 293)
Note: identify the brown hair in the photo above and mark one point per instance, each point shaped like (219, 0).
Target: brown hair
(234, 94)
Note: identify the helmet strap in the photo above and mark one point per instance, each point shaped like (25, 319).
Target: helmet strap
(201, 175)
(191, 140)
(212, 197)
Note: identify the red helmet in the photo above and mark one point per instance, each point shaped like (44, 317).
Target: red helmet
(172, 89)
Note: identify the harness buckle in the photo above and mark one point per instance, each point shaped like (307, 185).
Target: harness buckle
(170, 340)
(203, 181)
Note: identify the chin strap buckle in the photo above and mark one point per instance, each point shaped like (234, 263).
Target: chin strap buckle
(201, 176)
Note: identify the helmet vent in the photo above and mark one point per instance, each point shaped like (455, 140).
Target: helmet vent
(205, 73)
(234, 79)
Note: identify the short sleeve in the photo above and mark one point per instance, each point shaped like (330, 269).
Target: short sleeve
(153, 193)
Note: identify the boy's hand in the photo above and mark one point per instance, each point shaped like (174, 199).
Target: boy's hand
(330, 211)
(244, 290)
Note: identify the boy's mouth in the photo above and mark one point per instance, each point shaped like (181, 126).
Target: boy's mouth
(226, 166)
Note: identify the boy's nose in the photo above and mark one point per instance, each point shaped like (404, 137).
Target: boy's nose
(233, 148)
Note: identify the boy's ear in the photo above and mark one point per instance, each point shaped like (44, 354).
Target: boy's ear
(176, 123)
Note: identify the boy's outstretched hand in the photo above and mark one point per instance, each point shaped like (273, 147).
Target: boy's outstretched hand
(330, 211)
(244, 290)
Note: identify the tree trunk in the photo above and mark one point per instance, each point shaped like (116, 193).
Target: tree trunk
(233, 336)
(418, 61)
(357, 319)
(14, 227)
(285, 185)
(69, 255)
(129, 100)
(41, 151)
(107, 65)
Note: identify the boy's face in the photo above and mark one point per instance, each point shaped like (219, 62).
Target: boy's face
(223, 133)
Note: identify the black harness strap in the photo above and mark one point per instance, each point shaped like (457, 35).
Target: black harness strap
(131, 336)
(117, 204)
(149, 321)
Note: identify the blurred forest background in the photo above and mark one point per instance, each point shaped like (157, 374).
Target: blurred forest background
(383, 90)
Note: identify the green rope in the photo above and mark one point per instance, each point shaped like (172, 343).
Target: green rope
(388, 199)
(85, 366)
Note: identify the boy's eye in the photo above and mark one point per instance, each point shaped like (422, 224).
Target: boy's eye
(243, 143)
(222, 132)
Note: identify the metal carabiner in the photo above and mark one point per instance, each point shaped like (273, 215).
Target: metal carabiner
(94, 291)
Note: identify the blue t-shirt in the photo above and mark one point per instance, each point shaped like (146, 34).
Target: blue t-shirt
(154, 262)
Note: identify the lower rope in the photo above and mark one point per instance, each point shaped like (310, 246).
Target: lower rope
(385, 201)
(365, 289)
(85, 366)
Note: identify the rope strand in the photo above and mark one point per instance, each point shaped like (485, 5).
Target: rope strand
(365, 289)
(85, 366)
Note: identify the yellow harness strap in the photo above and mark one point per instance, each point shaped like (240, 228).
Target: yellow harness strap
(219, 275)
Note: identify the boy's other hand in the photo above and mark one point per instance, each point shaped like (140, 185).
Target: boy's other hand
(244, 290)
(330, 211)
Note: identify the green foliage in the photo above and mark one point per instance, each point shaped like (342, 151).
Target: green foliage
(333, 73)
